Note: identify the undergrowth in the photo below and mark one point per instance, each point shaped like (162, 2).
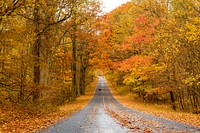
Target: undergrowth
(31, 116)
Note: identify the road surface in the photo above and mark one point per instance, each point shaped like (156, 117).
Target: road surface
(104, 114)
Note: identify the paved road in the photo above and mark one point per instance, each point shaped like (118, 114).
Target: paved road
(94, 118)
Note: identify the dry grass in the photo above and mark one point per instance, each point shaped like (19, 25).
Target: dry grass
(157, 110)
(42, 121)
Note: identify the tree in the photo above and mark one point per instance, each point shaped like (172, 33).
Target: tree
(155, 52)
(39, 47)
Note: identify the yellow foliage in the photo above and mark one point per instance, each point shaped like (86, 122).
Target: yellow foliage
(193, 26)
(193, 80)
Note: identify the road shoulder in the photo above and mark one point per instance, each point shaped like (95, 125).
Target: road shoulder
(156, 110)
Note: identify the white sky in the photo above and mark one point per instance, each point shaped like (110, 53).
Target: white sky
(111, 4)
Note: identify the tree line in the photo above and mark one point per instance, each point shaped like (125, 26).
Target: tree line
(45, 50)
(151, 47)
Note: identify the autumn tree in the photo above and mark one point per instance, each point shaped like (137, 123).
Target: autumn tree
(82, 33)
(154, 52)
(180, 53)
(36, 40)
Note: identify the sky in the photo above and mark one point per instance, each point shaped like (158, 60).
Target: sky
(111, 4)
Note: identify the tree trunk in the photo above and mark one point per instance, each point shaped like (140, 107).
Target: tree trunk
(36, 53)
(82, 80)
(172, 100)
(74, 81)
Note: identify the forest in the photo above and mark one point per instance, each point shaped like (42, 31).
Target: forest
(153, 49)
(50, 51)
(45, 50)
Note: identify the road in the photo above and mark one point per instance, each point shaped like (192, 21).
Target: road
(104, 114)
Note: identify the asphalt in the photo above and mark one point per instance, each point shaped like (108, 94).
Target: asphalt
(94, 118)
